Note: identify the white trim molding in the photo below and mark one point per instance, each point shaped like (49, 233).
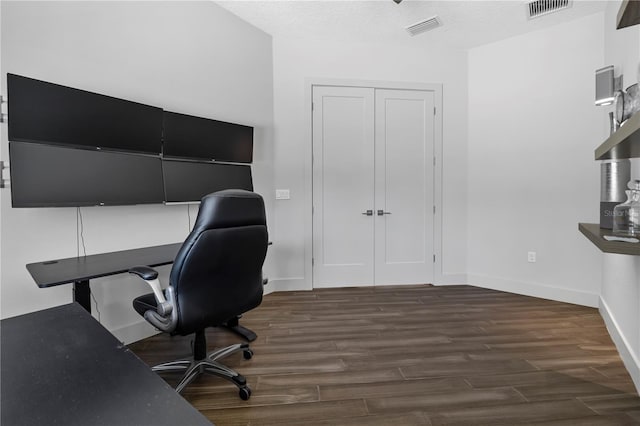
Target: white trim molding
(286, 284)
(629, 357)
(542, 291)
(451, 279)
(133, 332)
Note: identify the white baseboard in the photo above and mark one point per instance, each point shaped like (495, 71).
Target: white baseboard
(300, 284)
(451, 279)
(542, 291)
(629, 358)
(134, 332)
(142, 329)
(286, 284)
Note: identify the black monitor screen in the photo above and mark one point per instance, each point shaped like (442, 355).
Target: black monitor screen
(54, 176)
(186, 181)
(49, 113)
(186, 136)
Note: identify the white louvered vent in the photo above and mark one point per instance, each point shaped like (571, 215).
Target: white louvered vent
(424, 26)
(538, 8)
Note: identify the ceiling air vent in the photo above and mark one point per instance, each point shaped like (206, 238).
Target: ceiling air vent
(538, 8)
(424, 26)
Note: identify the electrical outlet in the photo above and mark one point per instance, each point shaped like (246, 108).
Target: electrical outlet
(283, 194)
(531, 257)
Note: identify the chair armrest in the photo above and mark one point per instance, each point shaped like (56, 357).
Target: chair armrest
(144, 272)
(165, 317)
(165, 322)
(150, 276)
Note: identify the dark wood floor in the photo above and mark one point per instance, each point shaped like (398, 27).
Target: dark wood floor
(415, 355)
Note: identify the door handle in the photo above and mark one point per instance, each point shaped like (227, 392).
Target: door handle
(368, 213)
(382, 212)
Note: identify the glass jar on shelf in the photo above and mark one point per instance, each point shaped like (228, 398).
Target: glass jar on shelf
(626, 216)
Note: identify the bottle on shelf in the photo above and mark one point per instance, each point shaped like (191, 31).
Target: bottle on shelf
(626, 216)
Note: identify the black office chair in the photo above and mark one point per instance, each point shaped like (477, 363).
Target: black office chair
(217, 275)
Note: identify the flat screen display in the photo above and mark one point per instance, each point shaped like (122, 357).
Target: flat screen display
(55, 176)
(187, 181)
(49, 113)
(186, 136)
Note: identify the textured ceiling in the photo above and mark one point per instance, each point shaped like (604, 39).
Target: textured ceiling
(466, 23)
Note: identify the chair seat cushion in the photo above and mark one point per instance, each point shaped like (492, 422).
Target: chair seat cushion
(144, 303)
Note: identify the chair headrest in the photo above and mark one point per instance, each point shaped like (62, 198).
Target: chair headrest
(230, 208)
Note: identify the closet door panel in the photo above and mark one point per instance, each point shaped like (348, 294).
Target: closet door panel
(343, 186)
(404, 186)
(372, 186)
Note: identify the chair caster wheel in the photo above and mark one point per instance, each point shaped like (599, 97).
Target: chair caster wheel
(245, 393)
(248, 353)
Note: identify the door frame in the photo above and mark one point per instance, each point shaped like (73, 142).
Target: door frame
(436, 88)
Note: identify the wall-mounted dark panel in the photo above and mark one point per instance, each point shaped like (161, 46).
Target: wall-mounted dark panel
(186, 136)
(55, 176)
(49, 113)
(187, 181)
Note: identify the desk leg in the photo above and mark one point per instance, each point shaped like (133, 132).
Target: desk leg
(82, 294)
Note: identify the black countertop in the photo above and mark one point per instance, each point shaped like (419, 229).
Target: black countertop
(59, 366)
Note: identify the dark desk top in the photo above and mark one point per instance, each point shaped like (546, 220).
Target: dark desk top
(61, 367)
(63, 271)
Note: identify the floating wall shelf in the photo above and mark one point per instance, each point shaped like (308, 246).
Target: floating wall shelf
(624, 143)
(628, 14)
(595, 234)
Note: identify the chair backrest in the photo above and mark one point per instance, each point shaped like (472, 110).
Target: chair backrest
(217, 273)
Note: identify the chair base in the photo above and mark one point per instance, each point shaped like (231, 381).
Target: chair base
(192, 368)
(234, 326)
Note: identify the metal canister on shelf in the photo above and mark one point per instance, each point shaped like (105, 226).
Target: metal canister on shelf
(614, 175)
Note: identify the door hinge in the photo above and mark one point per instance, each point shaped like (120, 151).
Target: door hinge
(434, 110)
(434, 161)
(434, 209)
(434, 258)
(4, 183)
(312, 106)
(3, 115)
(313, 261)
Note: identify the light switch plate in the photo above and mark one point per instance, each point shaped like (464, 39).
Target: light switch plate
(282, 194)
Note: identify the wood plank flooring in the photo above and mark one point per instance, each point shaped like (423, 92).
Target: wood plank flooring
(415, 355)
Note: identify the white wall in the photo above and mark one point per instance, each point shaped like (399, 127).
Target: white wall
(518, 137)
(3, 136)
(620, 293)
(296, 61)
(190, 57)
(533, 127)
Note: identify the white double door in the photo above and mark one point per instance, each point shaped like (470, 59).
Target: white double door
(373, 192)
